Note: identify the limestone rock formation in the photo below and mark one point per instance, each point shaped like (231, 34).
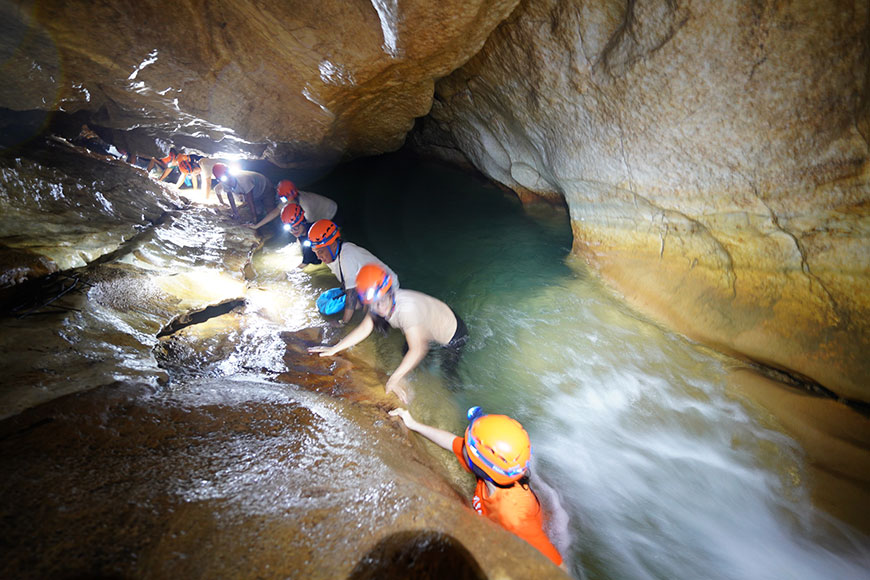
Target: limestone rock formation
(225, 478)
(97, 261)
(309, 79)
(714, 157)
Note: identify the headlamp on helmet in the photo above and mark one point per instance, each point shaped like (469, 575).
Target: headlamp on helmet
(287, 190)
(219, 171)
(292, 215)
(372, 283)
(323, 233)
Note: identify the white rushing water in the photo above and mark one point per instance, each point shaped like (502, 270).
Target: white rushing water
(661, 470)
(662, 473)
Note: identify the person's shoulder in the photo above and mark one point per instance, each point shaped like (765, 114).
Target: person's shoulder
(358, 251)
(311, 194)
(404, 294)
(414, 295)
(412, 301)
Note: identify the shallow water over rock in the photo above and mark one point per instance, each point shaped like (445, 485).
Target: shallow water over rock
(151, 259)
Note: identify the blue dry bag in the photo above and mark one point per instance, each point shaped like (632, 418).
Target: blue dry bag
(331, 301)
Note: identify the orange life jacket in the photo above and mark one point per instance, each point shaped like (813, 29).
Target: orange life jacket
(515, 508)
(186, 165)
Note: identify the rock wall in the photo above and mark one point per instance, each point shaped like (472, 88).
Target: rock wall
(714, 157)
(308, 80)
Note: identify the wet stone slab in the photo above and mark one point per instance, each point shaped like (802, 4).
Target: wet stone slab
(228, 478)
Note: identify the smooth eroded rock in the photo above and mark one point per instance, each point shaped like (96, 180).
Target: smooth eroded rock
(714, 159)
(314, 80)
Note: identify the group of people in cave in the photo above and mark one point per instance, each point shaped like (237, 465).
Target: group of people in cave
(494, 448)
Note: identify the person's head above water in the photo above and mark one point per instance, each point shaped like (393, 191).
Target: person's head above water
(325, 240)
(497, 446)
(287, 190)
(374, 285)
(293, 217)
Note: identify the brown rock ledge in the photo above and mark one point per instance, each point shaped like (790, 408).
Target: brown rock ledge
(240, 479)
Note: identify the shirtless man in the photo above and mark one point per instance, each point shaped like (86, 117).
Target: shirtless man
(422, 318)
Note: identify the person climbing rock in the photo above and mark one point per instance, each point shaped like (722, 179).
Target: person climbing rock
(187, 166)
(316, 207)
(206, 165)
(293, 218)
(190, 171)
(497, 450)
(344, 260)
(421, 318)
(251, 186)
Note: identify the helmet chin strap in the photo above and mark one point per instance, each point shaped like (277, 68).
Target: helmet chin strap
(392, 305)
(337, 250)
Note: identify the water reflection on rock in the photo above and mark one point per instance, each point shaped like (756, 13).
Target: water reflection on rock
(151, 260)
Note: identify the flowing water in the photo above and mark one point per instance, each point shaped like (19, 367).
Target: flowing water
(650, 467)
(660, 472)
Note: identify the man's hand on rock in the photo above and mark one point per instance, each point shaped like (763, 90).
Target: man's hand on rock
(323, 350)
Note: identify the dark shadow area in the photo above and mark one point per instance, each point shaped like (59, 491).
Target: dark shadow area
(442, 228)
(421, 555)
(38, 296)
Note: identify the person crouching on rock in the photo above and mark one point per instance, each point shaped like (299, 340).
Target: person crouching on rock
(293, 218)
(496, 449)
(344, 260)
(422, 318)
(251, 186)
(316, 207)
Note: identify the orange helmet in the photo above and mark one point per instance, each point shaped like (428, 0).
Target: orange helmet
(372, 283)
(219, 171)
(292, 214)
(499, 447)
(323, 233)
(287, 189)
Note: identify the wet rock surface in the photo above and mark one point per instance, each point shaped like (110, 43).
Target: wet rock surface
(123, 258)
(714, 160)
(142, 436)
(238, 479)
(834, 437)
(69, 208)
